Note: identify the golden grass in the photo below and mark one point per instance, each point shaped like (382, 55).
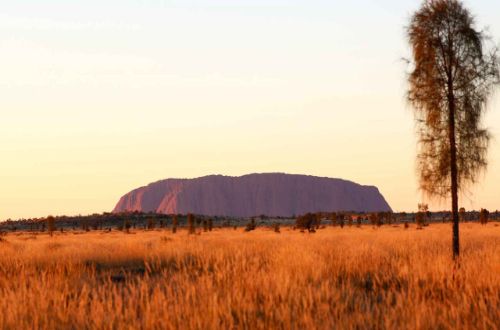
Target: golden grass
(337, 278)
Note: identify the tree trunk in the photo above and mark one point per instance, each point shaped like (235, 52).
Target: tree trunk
(454, 174)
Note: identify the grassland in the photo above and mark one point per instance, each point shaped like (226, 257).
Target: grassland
(362, 278)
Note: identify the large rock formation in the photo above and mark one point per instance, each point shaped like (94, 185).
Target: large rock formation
(274, 194)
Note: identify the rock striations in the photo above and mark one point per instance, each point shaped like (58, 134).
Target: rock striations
(274, 194)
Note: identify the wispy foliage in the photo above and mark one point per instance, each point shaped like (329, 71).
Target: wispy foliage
(453, 70)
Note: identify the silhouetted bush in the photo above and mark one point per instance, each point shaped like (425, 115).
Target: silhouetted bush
(484, 216)
(127, 226)
(51, 226)
(251, 225)
(191, 224)
(341, 220)
(306, 222)
(333, 218)
(317, 220)
(174, 224)
(151, 224)
(462, 214)
(421, 216)
(388, 218)
(381, 219)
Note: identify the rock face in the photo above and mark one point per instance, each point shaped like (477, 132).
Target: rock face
(273, 194)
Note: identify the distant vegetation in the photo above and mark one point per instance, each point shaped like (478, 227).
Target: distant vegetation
(309, 222)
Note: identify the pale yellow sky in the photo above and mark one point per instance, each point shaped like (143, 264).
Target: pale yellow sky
(98, 102)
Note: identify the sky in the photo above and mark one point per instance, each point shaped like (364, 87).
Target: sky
(101, 97)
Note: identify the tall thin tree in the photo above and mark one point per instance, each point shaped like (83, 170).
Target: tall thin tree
(453, 73)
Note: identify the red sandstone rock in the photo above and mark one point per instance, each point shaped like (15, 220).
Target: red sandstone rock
(274, 194)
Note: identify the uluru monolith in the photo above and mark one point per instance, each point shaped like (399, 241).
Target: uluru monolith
(273, 194)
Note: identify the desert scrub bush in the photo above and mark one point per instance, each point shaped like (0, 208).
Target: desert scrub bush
(51, 226)
(210, 224)
(341, 219)
(484, 216)
(349, 220)
(151, 224)
(381, 218)
(174, 224)
(191, 223)
(306, 222)
(251, 225)
(333, 218)
(389, 217)
(84, 225)
(317, 220)
(462, 215)
(276, 227)
(126, 226)
(421, 216)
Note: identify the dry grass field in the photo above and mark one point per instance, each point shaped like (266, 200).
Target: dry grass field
(353, 278)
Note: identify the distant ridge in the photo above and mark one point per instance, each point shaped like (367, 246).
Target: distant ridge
(274, 194)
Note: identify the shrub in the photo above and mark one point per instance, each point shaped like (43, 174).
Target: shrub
(484, 216)
(381, 218)
(461, 214)
(51, 226)
(421, 215)
(210, 224)
(389, 218)
(151, 224)
(251, 225)
(191, 224)
(333, 217)
(85, 225)
(341, 220)
(127, 226)
(174, 224)
(276, 227)
(349, 220)
(317, 220)
(306, 222)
